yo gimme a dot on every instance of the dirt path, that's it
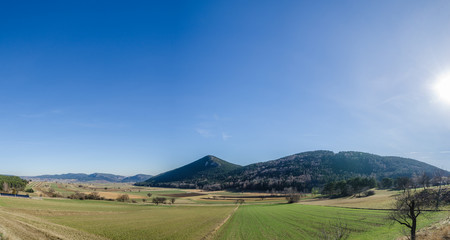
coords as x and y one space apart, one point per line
211 234
15 225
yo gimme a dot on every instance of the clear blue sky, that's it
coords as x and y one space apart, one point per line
144 87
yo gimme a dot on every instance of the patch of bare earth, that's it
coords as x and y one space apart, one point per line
438 231
14 225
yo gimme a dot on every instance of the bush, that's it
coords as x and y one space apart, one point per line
94 196
123 198
292 196
77 195
369 193
29 190
158 200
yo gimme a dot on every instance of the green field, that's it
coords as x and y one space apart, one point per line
114 220
53 218
296 221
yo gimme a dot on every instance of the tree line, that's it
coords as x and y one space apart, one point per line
12 184
360 185
357 185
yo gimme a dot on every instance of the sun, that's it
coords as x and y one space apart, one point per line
442 87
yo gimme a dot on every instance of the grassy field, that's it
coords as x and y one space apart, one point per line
111 220
296 221
195 215
381 200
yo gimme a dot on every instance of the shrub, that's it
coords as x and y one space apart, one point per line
77 195
369 193
123 198
94 196
158 200
292 196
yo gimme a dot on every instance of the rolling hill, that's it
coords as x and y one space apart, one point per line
136 178
94 177
194 174
302 171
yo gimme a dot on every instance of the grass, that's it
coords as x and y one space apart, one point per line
114 220
192 217
296 221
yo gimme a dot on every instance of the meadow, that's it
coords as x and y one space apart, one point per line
195 215
298 221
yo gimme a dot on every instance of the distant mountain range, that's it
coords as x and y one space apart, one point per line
94 177
302 171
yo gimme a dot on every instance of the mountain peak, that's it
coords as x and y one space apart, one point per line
202 168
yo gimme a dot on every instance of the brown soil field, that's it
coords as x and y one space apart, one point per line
188 194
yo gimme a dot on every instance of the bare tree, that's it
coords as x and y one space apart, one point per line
424 180
291 195
403 183
158 200
409 205
335 230
123 198
5 187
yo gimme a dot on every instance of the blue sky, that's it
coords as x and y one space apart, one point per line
144 87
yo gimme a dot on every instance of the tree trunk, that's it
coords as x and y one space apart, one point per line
414 219
413 229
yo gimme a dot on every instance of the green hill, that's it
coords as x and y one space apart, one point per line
311 169
302 171
205 171
9 182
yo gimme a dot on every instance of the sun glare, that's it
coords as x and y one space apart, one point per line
442 88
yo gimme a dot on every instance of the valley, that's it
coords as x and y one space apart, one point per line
195 214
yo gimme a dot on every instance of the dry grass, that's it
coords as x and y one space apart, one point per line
115 195
381 200
16 225
84 219
439 231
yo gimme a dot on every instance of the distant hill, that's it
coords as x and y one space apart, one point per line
194 174
136 178
302 171
94 177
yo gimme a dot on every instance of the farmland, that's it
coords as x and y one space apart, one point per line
296 221
195 215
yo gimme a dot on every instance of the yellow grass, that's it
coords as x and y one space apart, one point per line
381 200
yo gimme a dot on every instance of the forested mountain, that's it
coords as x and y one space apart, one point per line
302 171
94 177
198 173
